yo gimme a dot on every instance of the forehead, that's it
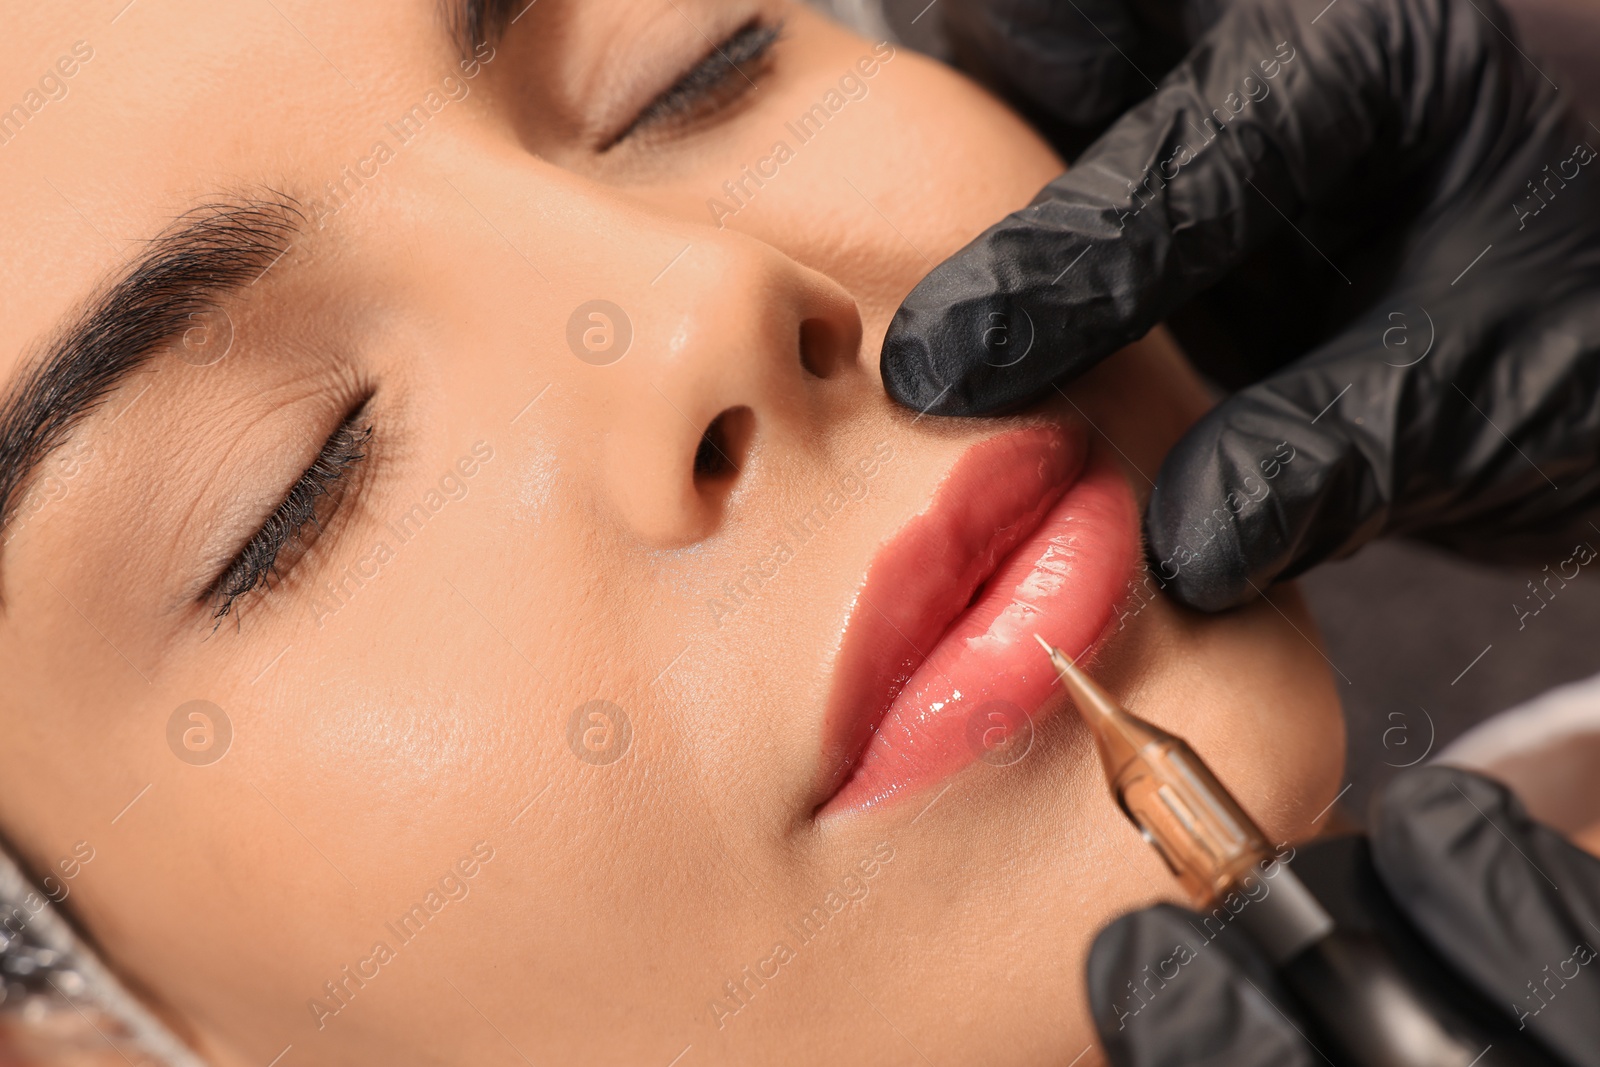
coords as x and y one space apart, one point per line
123 117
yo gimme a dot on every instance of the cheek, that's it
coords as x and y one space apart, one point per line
1293 722
1250 691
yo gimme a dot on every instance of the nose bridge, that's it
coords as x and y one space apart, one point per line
729 310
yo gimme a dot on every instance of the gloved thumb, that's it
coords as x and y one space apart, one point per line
1509 902
1163 992
1277 478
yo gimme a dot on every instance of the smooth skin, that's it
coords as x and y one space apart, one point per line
378 737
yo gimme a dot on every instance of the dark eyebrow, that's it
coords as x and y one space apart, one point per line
207 252
474 23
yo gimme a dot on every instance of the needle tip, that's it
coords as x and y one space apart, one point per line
1088 695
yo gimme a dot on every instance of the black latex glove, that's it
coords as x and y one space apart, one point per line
1072 68
1461 858
1443 379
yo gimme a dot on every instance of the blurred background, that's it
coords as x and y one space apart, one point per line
1403 623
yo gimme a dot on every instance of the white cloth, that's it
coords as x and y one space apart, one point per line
1547 750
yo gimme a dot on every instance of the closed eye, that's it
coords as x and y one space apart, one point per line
723 75
307 506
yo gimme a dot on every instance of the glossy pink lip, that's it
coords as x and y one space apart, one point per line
1032 531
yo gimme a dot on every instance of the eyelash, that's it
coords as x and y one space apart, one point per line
256 563
715 82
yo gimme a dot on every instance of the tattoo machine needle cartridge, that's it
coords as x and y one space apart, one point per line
1347 982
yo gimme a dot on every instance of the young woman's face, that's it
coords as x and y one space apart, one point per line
615 705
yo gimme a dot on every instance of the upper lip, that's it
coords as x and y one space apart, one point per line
993 497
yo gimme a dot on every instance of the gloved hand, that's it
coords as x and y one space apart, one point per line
1072 68
1505 901
1441 376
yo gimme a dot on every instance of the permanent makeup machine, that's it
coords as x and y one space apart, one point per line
1374 992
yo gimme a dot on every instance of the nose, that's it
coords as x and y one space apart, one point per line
736 352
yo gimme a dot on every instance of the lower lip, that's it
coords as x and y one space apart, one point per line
980 690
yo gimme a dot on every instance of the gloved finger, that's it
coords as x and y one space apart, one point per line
1509 902
1272 481
1263 119
1164 992
1471 443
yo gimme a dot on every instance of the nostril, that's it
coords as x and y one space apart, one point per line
710 459
720 453
822 347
